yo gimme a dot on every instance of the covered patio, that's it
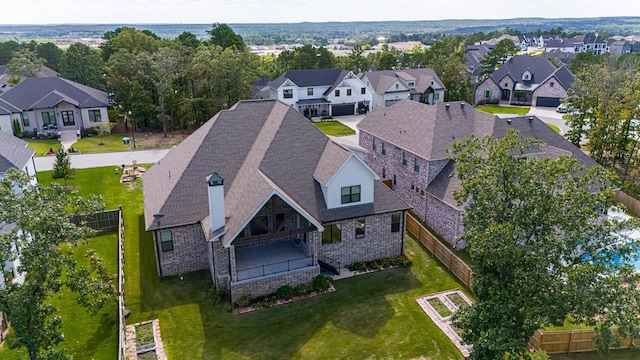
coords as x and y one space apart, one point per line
313 107
258 261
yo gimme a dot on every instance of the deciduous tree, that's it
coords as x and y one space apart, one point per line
43 239
527 224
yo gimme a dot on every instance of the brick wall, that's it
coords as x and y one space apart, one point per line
444 219
546 90
377 243
269 284
220 264
487 85
189 251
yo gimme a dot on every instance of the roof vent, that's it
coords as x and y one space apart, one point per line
509 121
462 105
447 106
530 119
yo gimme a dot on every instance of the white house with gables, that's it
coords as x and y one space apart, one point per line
321 92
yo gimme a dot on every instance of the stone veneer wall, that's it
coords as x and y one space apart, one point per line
444 219
377 243
488 84
545 90
189 251
269 284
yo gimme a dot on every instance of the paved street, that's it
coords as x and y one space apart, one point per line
83 161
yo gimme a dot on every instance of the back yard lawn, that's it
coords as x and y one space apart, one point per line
369 315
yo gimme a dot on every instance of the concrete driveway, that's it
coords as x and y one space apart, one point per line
548 115
350 120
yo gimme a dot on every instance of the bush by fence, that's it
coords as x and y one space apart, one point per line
458 267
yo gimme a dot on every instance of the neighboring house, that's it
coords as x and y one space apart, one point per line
590 42
515 39
623 46
525 80
563 57
261 198
531 40
14 154
474 55
321 92
52 104
408 142
421 85
561 44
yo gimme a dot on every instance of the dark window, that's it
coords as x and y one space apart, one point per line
384 150
331 234
166 240
348 92
395 222
413 187
411 84
48 118
395 180
67 118
95 116
350 194
552 84
309 91
404 158
363 91
416 164
25 119
374 143
287 94
384 173
397 86
279 220
360 225
259 225
336 93
487 94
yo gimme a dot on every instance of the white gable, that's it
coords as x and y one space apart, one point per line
354 172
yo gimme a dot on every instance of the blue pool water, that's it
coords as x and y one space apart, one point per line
609 257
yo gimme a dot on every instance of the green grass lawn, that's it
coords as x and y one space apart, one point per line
369 315
42 146
497 109
110 143
555 128
87 336
334 128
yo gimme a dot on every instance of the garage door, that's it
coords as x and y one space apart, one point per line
548 101
346 109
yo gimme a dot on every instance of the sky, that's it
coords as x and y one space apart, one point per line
295 11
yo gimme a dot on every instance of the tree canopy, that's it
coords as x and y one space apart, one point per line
224 36
530 226
43 240
496 57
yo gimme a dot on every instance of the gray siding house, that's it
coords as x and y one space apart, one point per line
407 143
261 198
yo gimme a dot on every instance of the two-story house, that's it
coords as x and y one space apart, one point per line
525 80
321 92
408 142
421 85
268 210
14 154
52 104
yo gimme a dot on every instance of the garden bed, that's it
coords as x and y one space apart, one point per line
144 341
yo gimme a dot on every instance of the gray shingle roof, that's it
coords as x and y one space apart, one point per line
427 130
309 78
13 152
260 148
443 186
540 69
32 92
380 81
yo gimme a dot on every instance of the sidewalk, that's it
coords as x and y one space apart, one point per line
84 161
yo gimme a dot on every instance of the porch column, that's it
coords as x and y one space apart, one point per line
232 264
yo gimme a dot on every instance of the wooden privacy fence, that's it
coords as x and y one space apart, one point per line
106 220
458 267
564 342
122 326
631 203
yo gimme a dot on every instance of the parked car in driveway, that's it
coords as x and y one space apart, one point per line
562 108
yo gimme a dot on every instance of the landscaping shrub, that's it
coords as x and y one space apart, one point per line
379 264
244 301
320 283
302 289
284 292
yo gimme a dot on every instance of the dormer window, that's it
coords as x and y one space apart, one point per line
350 194
526 76
397 86
411 84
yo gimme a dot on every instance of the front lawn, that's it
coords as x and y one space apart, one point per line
369 315
334 128
42 146
113 142
555 128
497 109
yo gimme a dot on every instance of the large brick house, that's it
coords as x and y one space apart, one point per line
261 198
407 143
525 80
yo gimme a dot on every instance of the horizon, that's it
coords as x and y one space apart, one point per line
107 12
